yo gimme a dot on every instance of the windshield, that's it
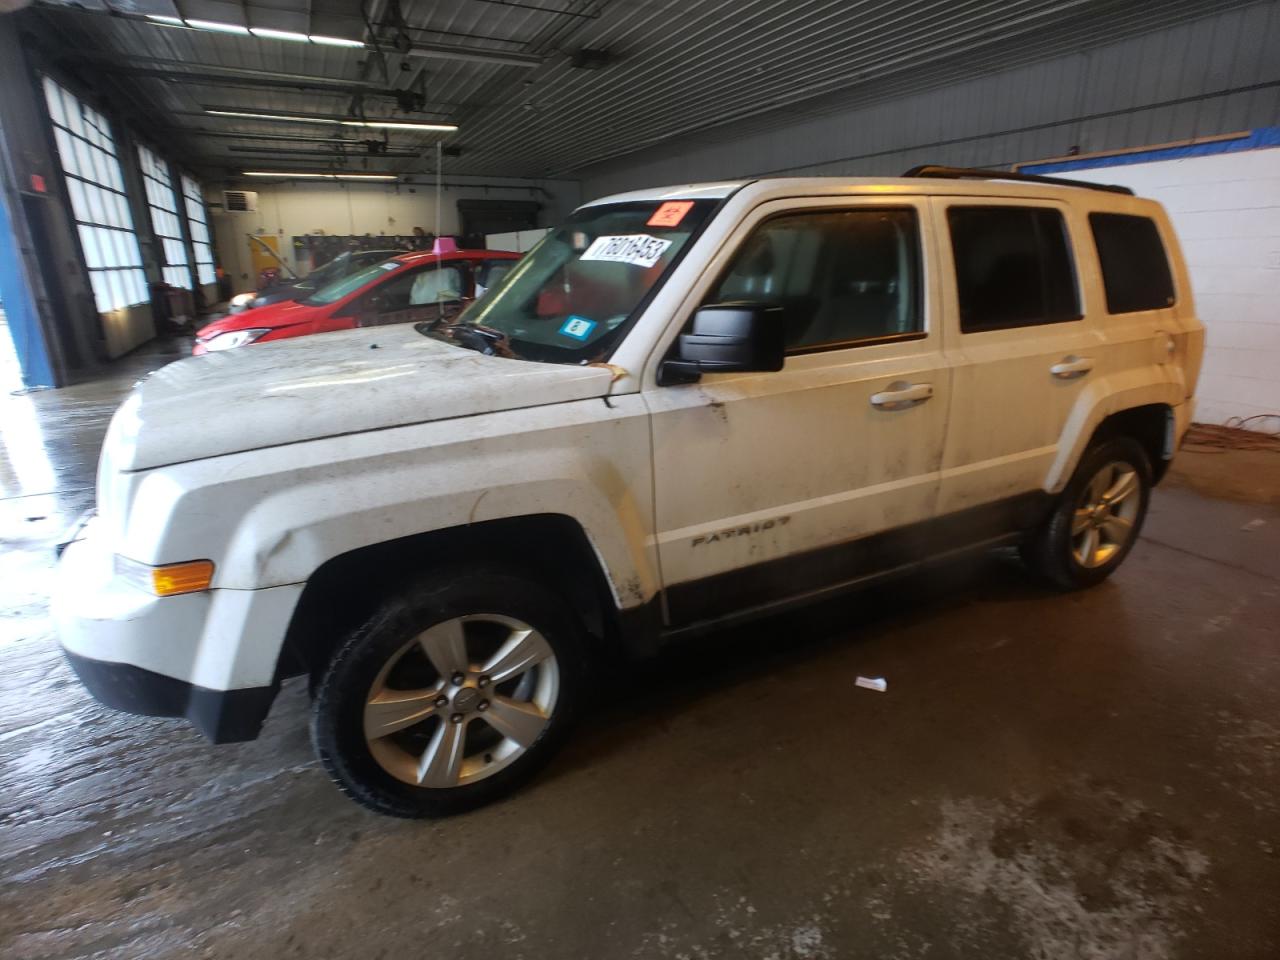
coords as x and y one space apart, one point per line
335 291
339 266
571 297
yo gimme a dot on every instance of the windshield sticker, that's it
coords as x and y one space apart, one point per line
390 264
670 213
578 327
639 249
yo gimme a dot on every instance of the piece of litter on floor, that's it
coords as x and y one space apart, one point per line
872 683
1254 524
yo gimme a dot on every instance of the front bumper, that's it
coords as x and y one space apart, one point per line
224 716
210 656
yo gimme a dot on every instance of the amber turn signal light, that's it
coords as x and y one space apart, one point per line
175 578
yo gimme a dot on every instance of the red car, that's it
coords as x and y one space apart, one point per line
409 288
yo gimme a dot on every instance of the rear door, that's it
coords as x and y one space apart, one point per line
1020 344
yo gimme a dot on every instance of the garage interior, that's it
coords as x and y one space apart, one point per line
1046 775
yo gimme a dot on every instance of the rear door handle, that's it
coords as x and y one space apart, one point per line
900 394
1068 368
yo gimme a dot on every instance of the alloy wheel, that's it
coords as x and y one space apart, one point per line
1105 518
461 701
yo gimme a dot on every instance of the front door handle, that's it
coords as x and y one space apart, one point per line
901 394
1068 368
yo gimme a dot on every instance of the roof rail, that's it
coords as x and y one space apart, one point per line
970 173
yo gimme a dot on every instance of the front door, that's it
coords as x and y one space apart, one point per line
428 293
770 486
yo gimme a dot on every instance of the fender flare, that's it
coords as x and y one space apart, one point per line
1104 398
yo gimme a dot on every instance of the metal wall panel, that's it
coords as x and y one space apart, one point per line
1218 74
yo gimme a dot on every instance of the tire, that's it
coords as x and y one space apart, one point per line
399 736
1059 551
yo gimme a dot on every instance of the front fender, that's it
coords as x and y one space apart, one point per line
273 517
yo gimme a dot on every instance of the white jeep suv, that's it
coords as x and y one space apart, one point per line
683 408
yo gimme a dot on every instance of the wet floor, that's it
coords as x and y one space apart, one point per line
1090 775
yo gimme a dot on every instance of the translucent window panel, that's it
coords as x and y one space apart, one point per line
96 211
101 295
72 109
95 185
79 204
53 97
89 244
162 203
197 223
83 159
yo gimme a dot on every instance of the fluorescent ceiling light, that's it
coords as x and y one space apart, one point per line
366 124
336 41
265 34
218 26
445 51
287 174
433 50
268 116
397 125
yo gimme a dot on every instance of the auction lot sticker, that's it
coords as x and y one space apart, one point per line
637 249
670 213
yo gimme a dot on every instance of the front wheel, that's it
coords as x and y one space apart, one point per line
1097 518
451 696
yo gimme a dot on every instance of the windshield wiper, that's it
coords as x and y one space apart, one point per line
472 336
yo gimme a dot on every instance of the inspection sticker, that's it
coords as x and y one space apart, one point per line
670 213
638 249
578 327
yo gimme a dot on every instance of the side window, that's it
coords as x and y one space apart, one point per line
441 284
489 272
1013 267
415 289
1135 269
840 276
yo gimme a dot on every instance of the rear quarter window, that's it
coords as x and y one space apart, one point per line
1135 267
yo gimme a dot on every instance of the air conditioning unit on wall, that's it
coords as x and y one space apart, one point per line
239 201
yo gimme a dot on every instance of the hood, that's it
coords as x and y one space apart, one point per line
282 314
322 386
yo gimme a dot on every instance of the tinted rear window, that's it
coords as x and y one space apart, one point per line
1013 267
1135 269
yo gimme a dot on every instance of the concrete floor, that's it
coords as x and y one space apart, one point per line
1085 776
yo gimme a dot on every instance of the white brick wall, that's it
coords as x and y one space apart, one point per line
1226 209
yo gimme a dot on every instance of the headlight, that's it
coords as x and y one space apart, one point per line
168 580
234 338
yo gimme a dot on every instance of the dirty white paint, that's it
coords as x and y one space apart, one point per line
271 460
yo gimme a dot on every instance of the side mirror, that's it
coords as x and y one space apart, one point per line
728 338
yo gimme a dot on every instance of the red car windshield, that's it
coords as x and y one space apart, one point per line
333 292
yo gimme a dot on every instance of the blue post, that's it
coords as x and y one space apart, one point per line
20 309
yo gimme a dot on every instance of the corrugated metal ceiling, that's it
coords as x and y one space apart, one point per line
676 69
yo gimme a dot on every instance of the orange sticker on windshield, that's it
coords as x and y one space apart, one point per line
670 213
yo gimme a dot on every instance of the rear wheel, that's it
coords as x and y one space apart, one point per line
1097 518
451 696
